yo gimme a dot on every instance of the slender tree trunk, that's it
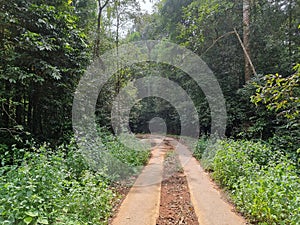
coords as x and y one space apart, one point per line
29 112
246 37
36 112
24 122
290 32
97 40
118 81
98 31
117 46
6 106
19 111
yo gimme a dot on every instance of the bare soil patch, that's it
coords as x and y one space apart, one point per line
175 204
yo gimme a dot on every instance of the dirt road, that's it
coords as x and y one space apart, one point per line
174 189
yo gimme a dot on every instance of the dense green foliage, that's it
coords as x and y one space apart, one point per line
130 159
280 95
51 53
43 53
262 182
207 28
53 188
47 186
45 48
262 179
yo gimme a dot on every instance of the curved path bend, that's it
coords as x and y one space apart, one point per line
141 205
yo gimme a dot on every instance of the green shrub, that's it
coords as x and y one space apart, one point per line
262 182
45 190
4 158
270 196
124 159
132 156
41 185
205 152
200 148
230 163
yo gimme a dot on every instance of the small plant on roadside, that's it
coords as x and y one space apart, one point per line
205 152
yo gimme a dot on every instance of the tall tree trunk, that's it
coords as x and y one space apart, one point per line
98 31
246 37
118 77
36 112
19 110
290 32
29 112
6 106
118 84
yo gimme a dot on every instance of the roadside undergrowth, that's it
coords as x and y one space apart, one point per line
263 184
58 186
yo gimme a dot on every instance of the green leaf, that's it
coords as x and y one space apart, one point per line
43 221
27 220
12 80
32 214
